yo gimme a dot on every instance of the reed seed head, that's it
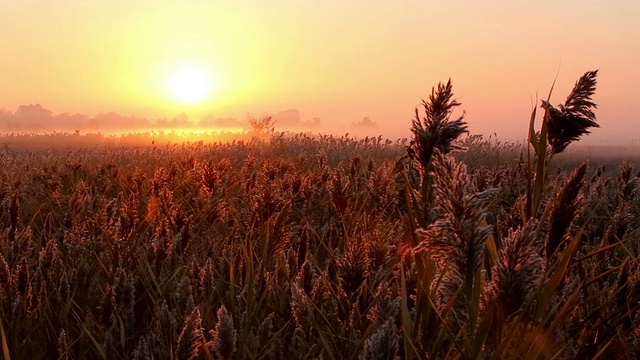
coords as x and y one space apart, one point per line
573 119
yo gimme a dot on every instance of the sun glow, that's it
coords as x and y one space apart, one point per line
191 83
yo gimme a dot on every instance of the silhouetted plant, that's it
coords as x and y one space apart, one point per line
436 130
575 117
560 127
261 127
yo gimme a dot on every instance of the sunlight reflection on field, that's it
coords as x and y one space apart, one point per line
127 137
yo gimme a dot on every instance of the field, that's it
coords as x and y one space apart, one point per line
298 246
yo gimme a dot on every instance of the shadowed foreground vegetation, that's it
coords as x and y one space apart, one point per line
323 247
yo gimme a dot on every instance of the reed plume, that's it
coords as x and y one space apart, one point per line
224 335
63 346
573 119
566 205
457 239
518 270
435 130
142 351
382 344
190 339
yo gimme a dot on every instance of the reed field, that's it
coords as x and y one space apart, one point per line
298 246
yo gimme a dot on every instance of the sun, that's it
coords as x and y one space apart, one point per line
191 83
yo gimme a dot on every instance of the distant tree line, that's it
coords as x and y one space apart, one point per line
36 118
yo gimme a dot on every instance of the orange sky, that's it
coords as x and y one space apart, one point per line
336 60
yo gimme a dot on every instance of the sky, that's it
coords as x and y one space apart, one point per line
353 66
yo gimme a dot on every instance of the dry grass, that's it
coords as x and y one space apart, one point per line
316 247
